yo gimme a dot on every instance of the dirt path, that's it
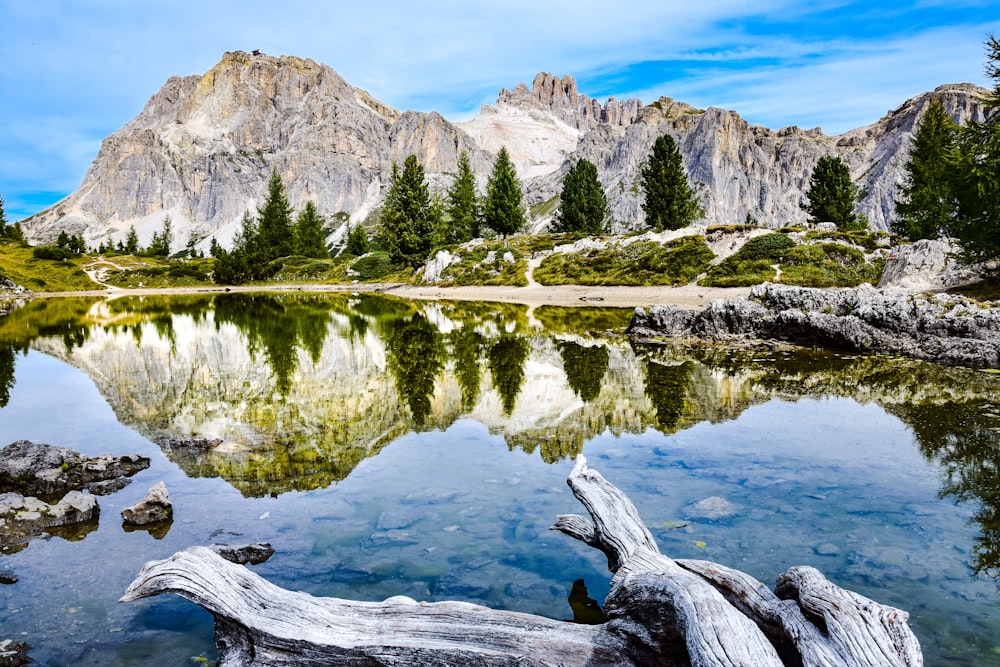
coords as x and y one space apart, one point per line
686 296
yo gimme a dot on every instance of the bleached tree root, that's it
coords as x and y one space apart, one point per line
660 611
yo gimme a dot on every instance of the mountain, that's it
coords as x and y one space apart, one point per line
203 147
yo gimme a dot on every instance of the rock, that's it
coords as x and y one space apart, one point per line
942 328
14 654
245 553
713 507
24 517
48 471
925 265
154 508
196 445
7 577
436 266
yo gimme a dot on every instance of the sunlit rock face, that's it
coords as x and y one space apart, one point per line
203 148
282 393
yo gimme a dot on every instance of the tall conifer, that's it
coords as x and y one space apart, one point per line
503 211
670 201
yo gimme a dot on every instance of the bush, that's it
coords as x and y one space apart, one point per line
768 246
820 265
51 252
373 266
638 263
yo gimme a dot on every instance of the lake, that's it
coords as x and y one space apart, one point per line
387 447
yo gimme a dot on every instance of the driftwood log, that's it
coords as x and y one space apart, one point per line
659 611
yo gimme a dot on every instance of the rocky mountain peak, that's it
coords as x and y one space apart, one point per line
560 96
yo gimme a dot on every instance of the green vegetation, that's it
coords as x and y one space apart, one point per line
309 239
161 273
18 263
503 210
159 246
409 217
639 263
485 265
9 233
463 214
670 202
584 207
832 195
561 319
373 266
357 241
808 265
924 207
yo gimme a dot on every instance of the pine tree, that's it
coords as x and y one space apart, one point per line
503 211
160 245
357 241
63 240
4 230
976 175
309 238
926 205
463 205
832 195
274 220
584 206
131 241
409 218
670 201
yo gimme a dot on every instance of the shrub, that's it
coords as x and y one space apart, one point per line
638 263
51 252
373 266
768 246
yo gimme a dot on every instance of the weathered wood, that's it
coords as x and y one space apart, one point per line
659 611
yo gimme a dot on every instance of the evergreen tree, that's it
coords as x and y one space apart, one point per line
15 233
132 241
926 205
309 238
357 241
463 205
503 211
583 207
670 201
585 368
4 232
832 195
274 221
409 218
160 245
245 261
666 387
976 175
62 241
415 356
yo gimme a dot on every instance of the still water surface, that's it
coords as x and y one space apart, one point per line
392 448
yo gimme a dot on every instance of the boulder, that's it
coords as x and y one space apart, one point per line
926 265
941 328
154 508
14 654
24 517
244 553
47 471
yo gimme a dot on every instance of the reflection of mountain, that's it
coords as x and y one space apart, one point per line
300 389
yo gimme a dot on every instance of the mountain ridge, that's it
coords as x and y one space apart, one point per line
202 148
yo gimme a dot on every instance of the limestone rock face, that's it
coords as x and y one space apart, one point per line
202 149
926 265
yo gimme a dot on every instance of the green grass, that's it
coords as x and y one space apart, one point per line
640 263
473 269
155 272
44 275
812 265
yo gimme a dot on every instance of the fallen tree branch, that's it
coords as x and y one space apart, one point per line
659 611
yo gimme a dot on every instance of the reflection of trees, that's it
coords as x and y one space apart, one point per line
467 348
585 368
964 438
415 355
7 362
276 327
507 357
666 386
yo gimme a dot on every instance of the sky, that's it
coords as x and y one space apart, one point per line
73 72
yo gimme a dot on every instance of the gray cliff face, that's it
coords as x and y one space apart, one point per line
203 148
941 328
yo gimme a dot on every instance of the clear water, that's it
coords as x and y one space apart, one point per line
382 449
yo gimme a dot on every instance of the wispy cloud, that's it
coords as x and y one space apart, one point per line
73 72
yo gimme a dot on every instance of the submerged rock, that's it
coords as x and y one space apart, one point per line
38 469
154 508
14 654
942 328
24 517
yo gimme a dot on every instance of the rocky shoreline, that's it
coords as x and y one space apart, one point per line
941 328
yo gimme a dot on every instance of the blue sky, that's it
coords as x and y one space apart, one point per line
73 72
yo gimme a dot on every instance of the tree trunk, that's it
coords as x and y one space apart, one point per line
659 611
